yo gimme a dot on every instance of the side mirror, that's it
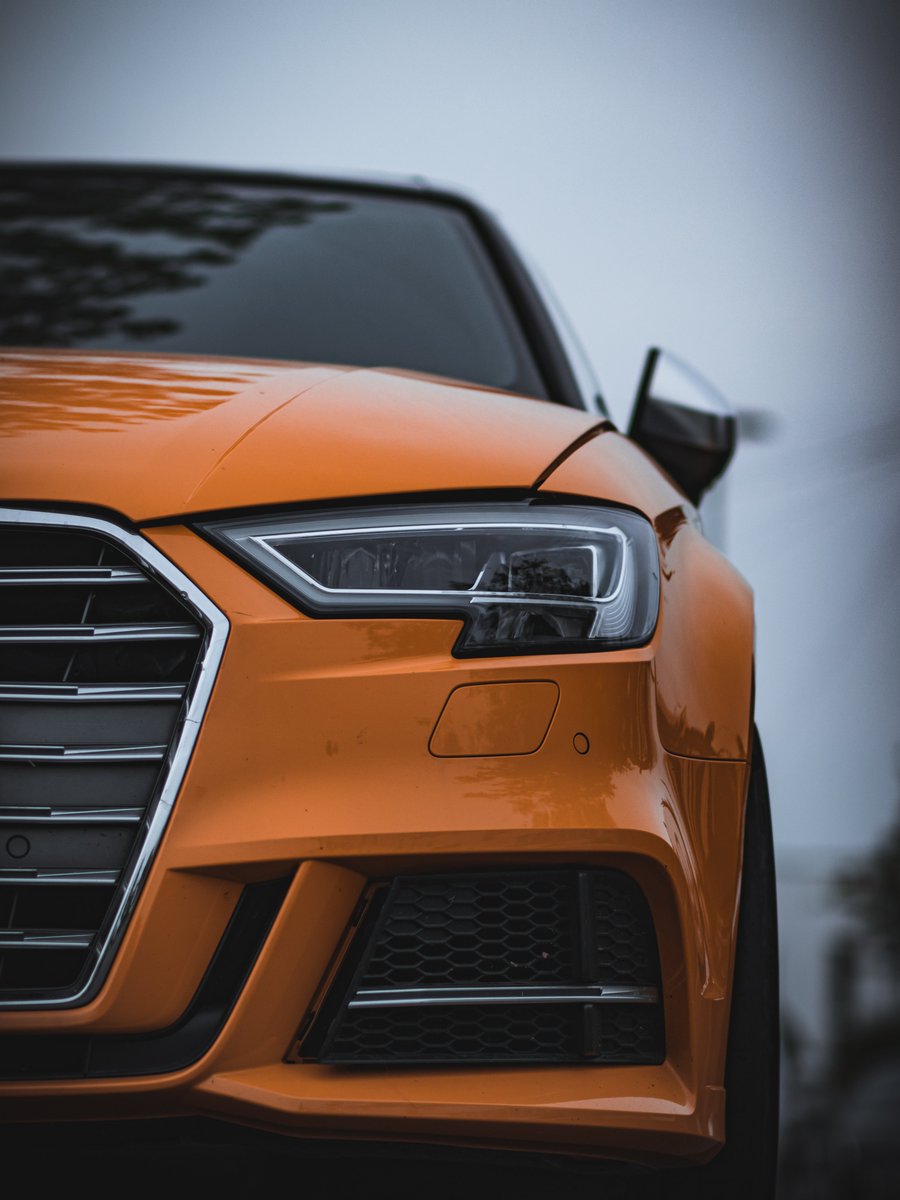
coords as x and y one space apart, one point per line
683 422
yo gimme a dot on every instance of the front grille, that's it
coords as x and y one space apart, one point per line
518 966
112 1055
99 659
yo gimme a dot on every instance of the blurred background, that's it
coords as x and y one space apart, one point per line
718 179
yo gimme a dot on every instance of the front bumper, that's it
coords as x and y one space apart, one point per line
314 763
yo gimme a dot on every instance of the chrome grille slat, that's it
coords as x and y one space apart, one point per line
57 576
81 754
19 878
46 939
20 815
159 631
91 693
107 659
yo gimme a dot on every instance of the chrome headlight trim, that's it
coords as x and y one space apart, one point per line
603 563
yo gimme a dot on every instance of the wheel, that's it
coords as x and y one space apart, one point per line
746 1164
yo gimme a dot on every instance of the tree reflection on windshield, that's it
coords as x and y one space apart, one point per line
78 253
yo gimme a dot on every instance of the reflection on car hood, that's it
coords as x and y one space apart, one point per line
158 435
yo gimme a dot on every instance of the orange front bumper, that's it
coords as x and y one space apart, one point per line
316 760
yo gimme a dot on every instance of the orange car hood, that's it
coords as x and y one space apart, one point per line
153 436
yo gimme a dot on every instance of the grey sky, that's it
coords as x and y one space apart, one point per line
721 179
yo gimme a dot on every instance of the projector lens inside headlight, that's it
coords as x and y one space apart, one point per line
524 577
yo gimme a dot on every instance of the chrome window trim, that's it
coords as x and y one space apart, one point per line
159 807
586 382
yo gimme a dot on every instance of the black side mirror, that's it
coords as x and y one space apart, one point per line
683 422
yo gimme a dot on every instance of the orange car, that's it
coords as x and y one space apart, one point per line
376 724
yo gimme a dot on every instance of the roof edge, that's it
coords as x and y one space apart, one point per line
380 181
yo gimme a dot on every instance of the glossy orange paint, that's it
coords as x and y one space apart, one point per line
704 661
487 719
152 436
317 757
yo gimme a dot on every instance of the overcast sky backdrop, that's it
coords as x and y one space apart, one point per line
719 179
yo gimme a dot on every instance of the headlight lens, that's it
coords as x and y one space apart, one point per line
525 578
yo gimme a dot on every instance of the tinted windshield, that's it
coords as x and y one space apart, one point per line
199 265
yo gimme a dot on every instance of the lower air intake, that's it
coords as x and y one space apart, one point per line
537 966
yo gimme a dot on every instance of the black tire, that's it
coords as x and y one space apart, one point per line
746 1165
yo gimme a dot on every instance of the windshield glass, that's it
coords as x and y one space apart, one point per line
199 265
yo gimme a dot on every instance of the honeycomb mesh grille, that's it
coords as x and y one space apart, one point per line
488 929
576 941
489 1031
624 940
631 1033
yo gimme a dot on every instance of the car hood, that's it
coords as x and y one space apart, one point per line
154 436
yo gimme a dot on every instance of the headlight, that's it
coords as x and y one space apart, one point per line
525 578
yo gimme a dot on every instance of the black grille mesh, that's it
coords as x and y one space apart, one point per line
631 1033
95 664
625 944
502 929
476 1032
476 929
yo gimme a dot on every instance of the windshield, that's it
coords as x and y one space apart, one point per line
199 265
